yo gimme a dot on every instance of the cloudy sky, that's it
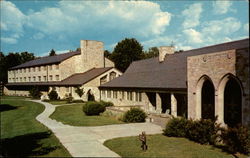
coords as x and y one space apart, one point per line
38 26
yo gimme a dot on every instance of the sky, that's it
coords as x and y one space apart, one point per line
39 26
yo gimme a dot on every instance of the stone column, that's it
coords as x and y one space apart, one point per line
158 103
173 105
219 106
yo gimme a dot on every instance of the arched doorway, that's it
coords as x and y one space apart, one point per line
232 103
90 96
207 100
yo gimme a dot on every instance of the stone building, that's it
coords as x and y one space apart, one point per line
87 68
199 83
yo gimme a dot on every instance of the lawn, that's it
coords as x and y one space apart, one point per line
73 115
61 102
162 146
22 135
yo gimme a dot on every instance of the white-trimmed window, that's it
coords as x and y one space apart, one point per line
57 77
67 89
29 79
39 68
103 93
129 95
24 79
34 78
39 78
114 94
108 94
44 78
50 77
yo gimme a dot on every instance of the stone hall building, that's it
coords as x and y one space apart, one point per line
87 69
199 83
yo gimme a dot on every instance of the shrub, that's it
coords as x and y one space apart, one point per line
53 95
134 115
35 93
93 108
203 131
236 139
106 104
69 99
176 127
79 91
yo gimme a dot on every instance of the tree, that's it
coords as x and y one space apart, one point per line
52 52
79 91
11 60
107 54
125 52
152 52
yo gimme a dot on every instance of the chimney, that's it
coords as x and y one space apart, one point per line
164 50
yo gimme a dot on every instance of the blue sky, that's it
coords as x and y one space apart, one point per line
38 26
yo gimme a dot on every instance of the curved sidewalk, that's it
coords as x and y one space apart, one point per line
88 141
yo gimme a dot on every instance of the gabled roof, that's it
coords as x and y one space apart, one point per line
169 74
82 78
47 60
73 80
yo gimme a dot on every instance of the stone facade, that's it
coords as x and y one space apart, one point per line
217 68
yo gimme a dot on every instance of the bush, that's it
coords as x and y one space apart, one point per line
106 104
134 115
35 93
236 139
79 91
93 108
203 131
53 95
69 98
176 127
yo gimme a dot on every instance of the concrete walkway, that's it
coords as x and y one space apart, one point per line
88 141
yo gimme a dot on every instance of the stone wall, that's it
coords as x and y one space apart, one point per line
216 67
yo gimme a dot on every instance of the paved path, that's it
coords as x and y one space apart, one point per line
88 141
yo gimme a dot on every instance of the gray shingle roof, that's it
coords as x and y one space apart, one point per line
169 74
73 80
47 60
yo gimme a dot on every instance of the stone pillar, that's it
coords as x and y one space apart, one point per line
158 103
173 105
219 106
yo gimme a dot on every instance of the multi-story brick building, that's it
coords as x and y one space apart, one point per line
87 68
199 83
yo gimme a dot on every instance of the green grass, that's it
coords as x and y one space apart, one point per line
162 146
22 135
12 97
73 115
57 102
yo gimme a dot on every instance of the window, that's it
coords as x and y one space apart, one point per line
16 79
21 79
34 79
20 70
10 79
50 67
112 75
29 69
50 77
114 94
138 96
44 68
57 77
39 68
39 78
24 79
34 69
24 70
44 78
104 93
13 79
109 94
29 79
103 79
57 66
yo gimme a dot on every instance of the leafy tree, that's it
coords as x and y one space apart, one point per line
11 60
125 52
52 52
79 91
35 92
152 52
107 54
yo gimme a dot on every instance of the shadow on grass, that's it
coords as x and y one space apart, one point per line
26 145
6 107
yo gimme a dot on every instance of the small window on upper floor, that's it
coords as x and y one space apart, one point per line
57 77
39 78
57 66
24 79
44 78
44 68
50 67
29 79
34 79
39 68
50 77
103 79
112 75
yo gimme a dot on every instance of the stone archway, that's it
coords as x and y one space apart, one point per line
230 98
205 102
90 96
232 103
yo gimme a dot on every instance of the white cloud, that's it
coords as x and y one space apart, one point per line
246 27
9 40
38 36
221 27
12 21
193 36
141 18
192 15
221 6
